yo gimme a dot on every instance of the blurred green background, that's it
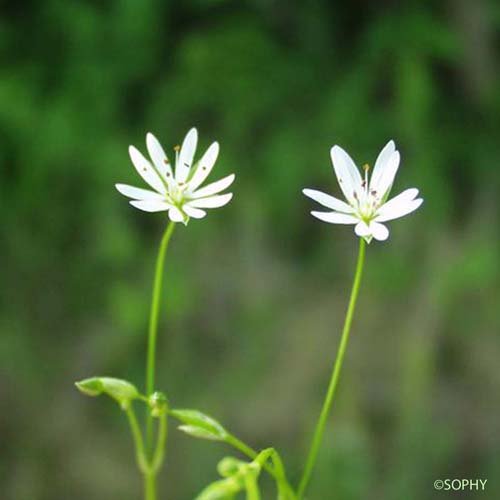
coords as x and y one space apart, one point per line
256 292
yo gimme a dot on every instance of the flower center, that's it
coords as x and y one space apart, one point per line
367 201
176 190
176 193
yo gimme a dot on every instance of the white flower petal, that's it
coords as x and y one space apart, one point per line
159 157
176 215
406 195
150 205
379 231
328 201
214 187
335 217
146 170
382 159
195 213
362 229
347 173
204 166
186 156
394 205
397 210
211 202
138 193
373 229
386 178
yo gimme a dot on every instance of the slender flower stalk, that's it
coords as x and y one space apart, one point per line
320 426
153 325
150 486
138 441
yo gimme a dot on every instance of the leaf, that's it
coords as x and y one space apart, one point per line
122 391
199 425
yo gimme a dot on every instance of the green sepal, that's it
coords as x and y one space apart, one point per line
121 391
197 424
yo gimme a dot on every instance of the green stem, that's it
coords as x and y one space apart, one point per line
160 444
251 453
320 426
252 488
153 326
138 441
150 486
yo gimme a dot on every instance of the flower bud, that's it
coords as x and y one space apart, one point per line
229 466
158 403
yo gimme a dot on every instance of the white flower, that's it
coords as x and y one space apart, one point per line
366 198
177 191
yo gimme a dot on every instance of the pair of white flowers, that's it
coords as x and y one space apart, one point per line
178 190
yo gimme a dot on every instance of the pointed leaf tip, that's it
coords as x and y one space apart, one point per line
90 386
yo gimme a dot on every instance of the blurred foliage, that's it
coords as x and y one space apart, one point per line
257 291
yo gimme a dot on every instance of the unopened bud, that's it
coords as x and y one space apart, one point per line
229 466
158 403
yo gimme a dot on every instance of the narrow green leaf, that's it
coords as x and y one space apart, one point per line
121 391
199 425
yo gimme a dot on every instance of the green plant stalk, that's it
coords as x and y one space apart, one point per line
153 326
150 468
252 488
150 485
320 426
160 444
251 453
140 454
